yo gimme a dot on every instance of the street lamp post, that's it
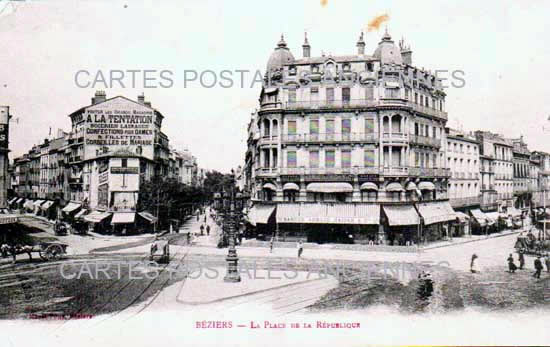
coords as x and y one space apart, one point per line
230 204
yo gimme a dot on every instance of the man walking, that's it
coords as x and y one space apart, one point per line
300 248
208 230
202 230
271 245
538 267
547 261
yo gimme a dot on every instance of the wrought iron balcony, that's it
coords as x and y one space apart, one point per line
424 141
330 138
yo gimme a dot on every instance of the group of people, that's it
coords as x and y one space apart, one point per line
537 264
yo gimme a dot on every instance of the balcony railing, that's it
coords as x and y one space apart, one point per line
330 137
425 141
466 201
395 137
430 172
354 103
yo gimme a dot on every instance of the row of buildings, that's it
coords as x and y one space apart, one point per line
366 153
114 145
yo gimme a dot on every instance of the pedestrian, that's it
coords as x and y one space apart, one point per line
271 245
202 230
521 259
300 248
538 267
189 238
208 230
473 264
205 218
511 266
197 216
547 261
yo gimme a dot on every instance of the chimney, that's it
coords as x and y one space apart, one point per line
306 47
361 45
406 53
100 96
147 103
141 98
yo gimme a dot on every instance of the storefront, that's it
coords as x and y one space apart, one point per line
436 217
402 225
98 221
462 225
329 222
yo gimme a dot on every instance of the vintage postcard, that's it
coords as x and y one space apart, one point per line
274 173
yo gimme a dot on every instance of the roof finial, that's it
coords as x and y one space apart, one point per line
282 43
386 35
306 43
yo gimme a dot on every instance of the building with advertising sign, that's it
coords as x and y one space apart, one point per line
350 147
94 171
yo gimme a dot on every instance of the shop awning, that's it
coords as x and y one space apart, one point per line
436 212
38 203
480 217
71 207
269 186
46 205
512 211
80 214
8 219
411 186
401 215
123 218
493 216
12 201
29 204
148 216
20 200
426 186
260 214
291 186
328 213
97 216
288 213
368 186
463 217
394 187
330 187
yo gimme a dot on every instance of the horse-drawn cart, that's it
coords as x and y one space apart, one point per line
46 250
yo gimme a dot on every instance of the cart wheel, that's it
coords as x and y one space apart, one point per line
53 252
42 255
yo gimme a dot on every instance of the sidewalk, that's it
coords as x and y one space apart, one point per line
470 238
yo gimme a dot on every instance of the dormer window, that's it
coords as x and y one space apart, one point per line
370 67
315 68
346 67
292 70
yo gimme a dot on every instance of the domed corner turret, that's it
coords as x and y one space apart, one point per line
280 56
387 52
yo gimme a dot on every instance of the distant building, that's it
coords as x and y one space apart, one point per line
463 159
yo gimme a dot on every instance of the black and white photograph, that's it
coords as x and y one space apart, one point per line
289 173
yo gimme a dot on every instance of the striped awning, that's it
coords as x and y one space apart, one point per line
260 214
46 205
148 216
394 187
123 218
426 186
38 203
436 212
80 214
12 200
328 213
71 207
368 186
401 215
411 186
329 187
20 200
269 186
480 217
291 186
97 216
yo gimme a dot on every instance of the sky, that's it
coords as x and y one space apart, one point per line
499 45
